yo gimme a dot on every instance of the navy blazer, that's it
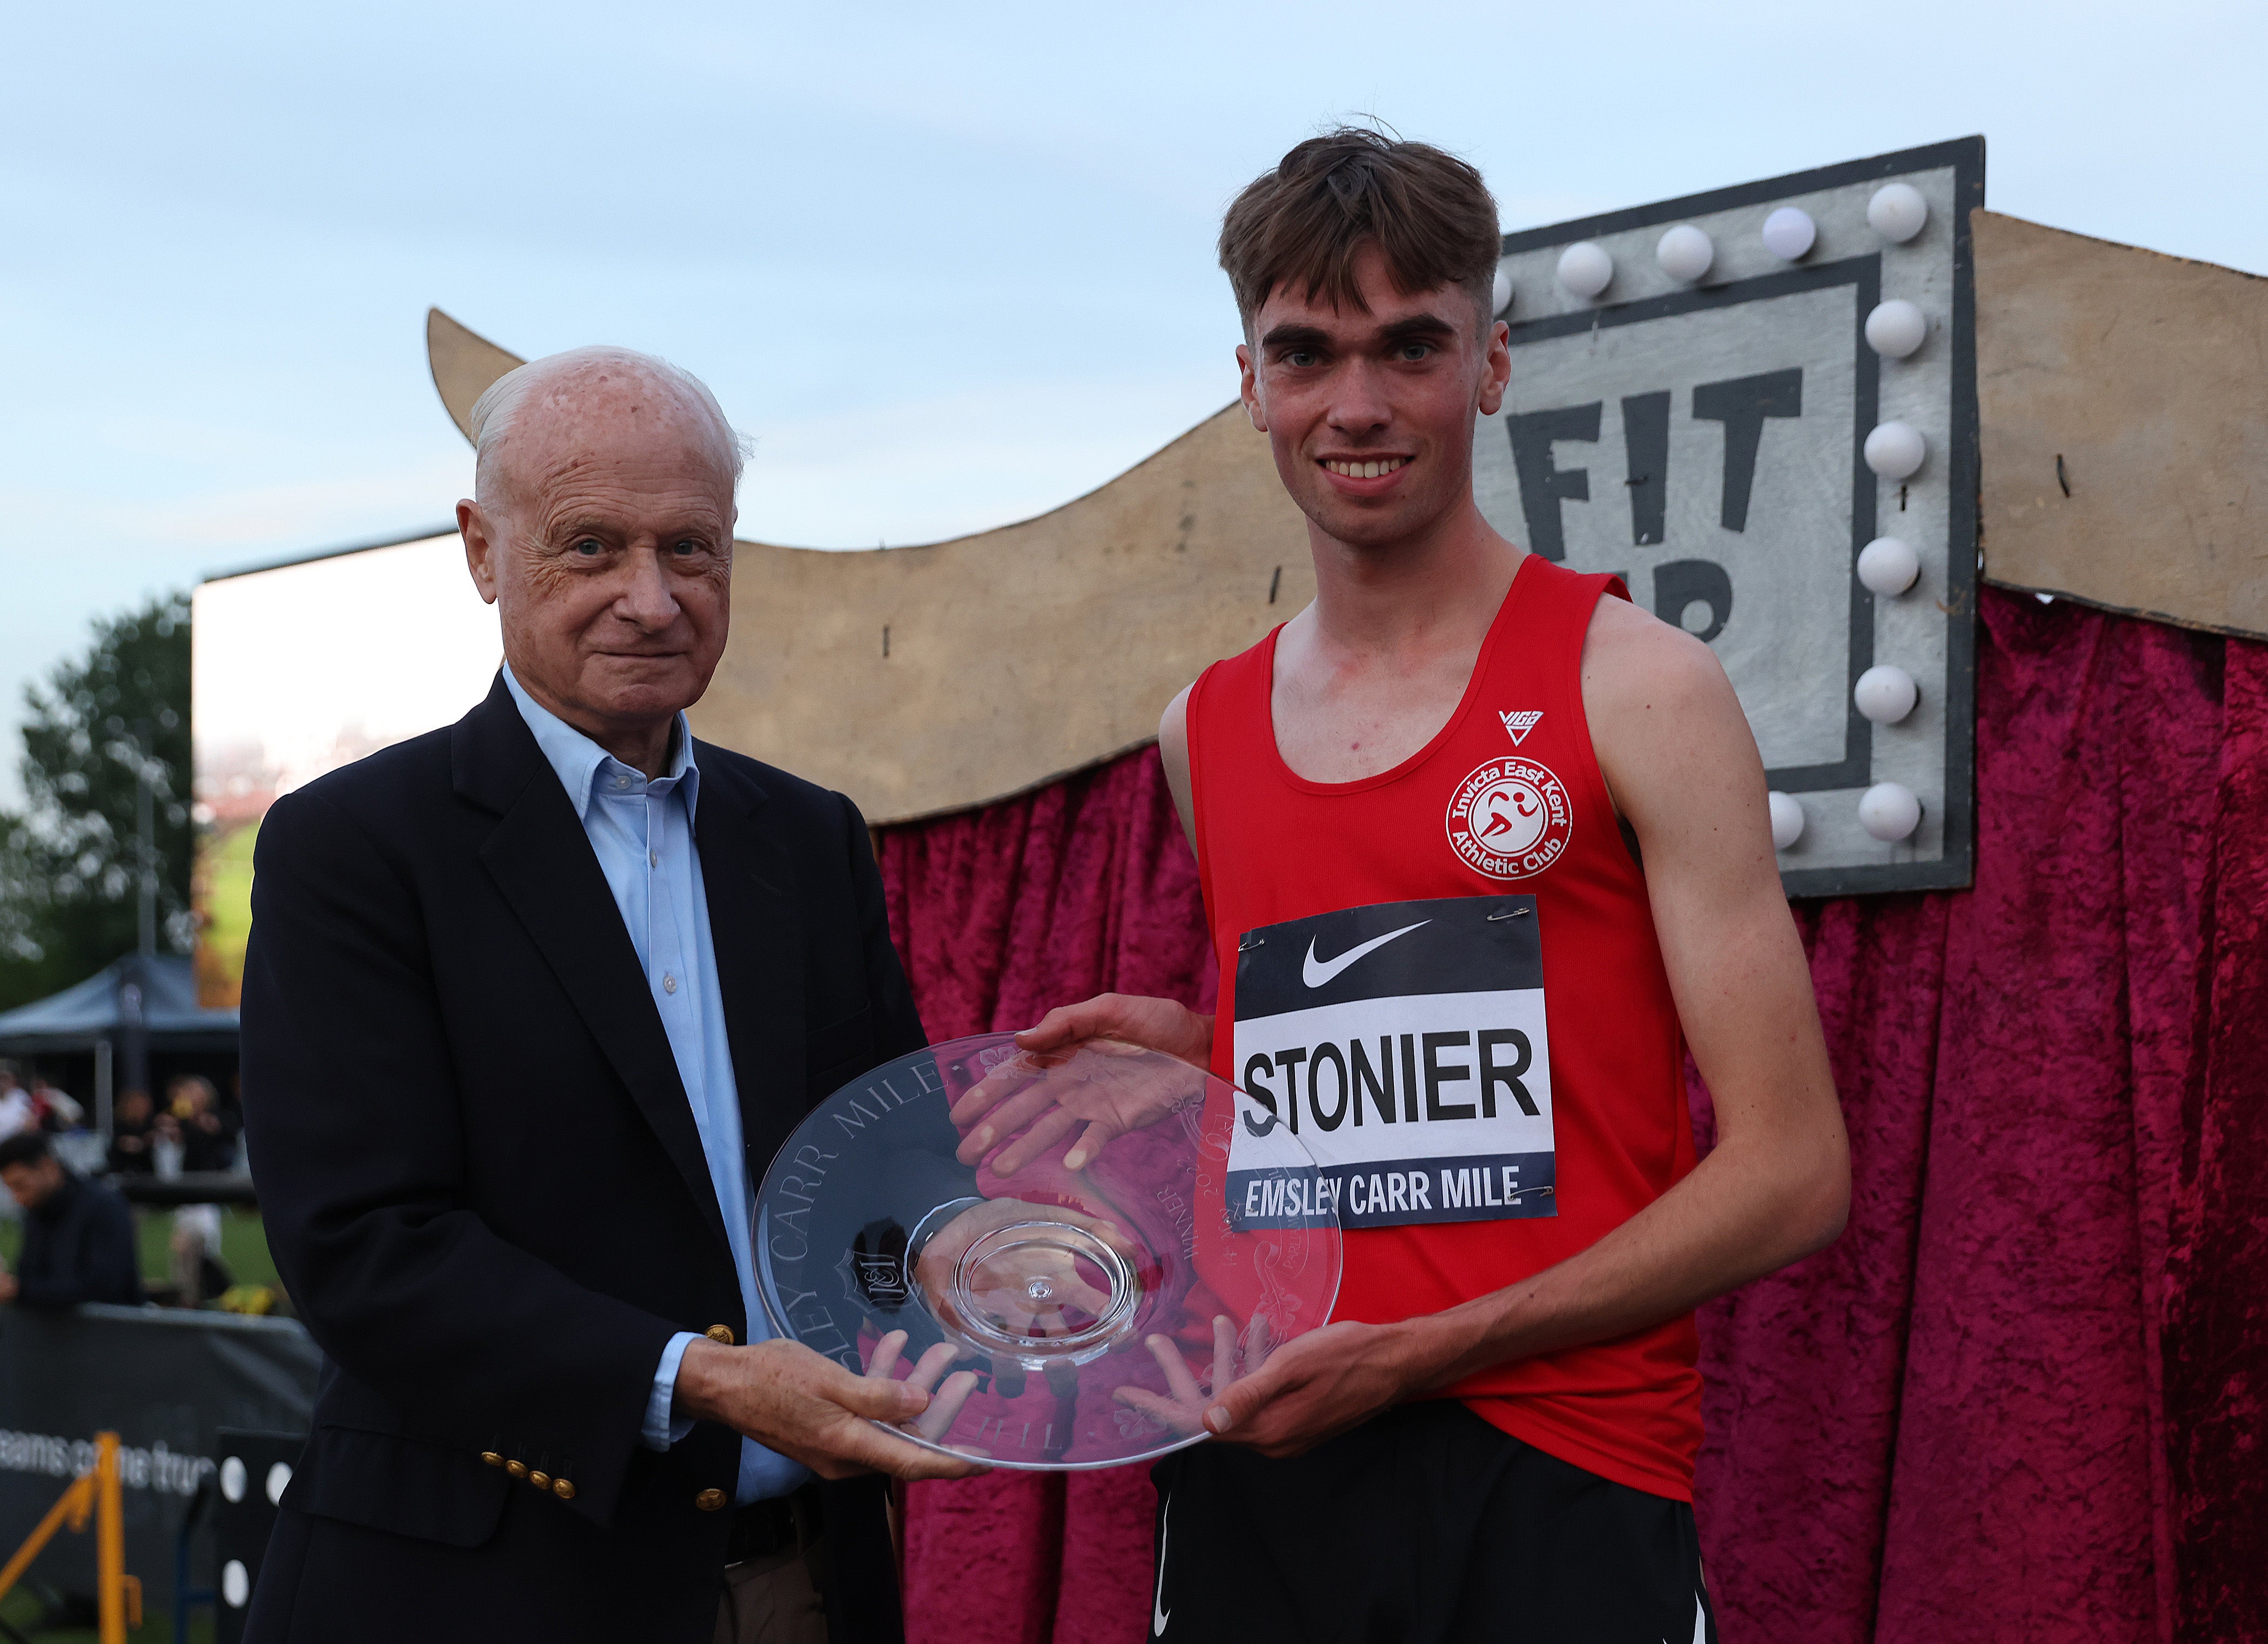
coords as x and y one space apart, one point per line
486 1195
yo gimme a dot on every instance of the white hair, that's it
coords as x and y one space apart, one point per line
493 413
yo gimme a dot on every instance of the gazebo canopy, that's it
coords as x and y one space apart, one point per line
98 1010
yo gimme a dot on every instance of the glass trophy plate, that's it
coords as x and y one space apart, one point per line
1080 1248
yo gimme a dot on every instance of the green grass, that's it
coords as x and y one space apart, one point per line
243 1245
225 899
20 1610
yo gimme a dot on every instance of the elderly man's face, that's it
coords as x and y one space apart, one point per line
609 553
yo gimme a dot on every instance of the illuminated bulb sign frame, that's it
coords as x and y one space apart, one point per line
1707 441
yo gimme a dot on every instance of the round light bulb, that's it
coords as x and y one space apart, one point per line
1789 233
1585 267
1890 811
1897 211
1886 693
1894 450
235 1584
233 1479
1895 328
279 1480
1685 253
1888 566
1501 294
1787 821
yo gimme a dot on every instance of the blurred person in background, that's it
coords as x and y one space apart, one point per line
78 1236
208 1148
16 1110
194 1257
131 1135
166 1148
207 1134
56 1111
16 1117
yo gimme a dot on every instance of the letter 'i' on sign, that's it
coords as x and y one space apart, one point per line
1646 443
1706 437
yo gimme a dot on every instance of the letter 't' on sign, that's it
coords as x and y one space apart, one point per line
1741 405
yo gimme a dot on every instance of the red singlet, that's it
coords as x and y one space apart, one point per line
1445 978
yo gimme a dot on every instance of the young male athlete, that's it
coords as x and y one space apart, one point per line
1484 849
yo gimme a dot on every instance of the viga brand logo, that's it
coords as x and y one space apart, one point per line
1510 819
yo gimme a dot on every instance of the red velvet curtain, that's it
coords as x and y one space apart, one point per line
2024 1396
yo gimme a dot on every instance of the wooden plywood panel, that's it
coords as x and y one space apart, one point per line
1017 655
463 362
2145 377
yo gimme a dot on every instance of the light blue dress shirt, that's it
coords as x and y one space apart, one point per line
642 833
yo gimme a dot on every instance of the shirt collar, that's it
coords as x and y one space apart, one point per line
581 763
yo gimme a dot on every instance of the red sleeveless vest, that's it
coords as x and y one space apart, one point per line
1444 979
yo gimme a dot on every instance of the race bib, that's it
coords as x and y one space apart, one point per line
1403 1045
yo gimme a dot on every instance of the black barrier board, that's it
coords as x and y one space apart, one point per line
166 1381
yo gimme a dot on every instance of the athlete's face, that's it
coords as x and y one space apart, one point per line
1371 415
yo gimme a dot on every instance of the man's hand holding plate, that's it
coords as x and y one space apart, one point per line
809 1408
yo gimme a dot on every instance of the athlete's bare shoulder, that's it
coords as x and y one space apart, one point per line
1629 657
1173 749
1664 721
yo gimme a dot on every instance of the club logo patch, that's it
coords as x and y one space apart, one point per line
1510 819
1517 725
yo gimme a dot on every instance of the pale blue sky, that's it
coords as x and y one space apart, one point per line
952 267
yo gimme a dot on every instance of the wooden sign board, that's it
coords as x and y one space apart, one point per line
1705 437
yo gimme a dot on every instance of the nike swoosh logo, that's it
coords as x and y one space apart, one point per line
1159 1613
1316 972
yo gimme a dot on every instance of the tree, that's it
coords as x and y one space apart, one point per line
71 861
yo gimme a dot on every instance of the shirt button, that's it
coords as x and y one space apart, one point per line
669 982
653 858
622 782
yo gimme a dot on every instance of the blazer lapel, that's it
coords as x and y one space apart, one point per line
542 862
757 930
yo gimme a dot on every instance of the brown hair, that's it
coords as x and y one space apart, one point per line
1427 210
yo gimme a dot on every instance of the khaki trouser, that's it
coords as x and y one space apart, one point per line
773 1600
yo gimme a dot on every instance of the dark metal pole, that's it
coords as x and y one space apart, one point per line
133 1022
145 829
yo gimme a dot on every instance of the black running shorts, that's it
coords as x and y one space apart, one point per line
1424 1525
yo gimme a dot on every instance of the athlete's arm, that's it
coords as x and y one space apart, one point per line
1684 770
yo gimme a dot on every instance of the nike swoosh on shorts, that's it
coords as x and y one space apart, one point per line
1159 1613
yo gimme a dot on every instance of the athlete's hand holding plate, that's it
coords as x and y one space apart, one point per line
929 1223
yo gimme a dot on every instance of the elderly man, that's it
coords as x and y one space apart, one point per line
529 1004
